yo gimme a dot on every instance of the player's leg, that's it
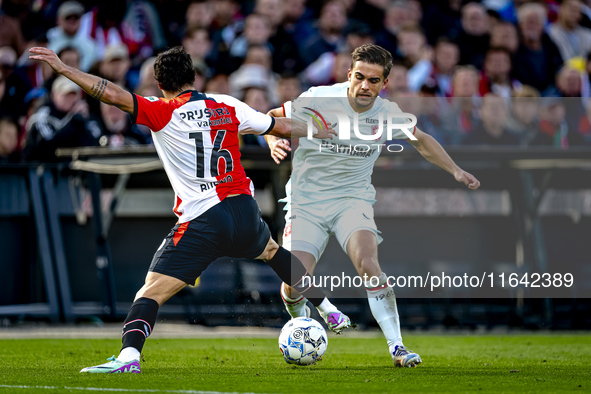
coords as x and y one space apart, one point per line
306 236
140 322
294 302
181 258
362 248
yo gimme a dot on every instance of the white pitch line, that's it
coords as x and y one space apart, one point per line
118 389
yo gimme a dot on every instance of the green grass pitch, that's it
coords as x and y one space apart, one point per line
453 364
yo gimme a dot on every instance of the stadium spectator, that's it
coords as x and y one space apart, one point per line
329 67
255 72
11 32
436 74
197 43
8 140
571 38
524 119
199 14
496 75
331 25
19 81
296 20
412 46
285 49
201 73
553 126
115 64
63 122
258 99
289 87
257 30
103 25
492 129
142 30
509 11
117 130
537 59
2 91
473 39
70 56
442 18
580 131
504 35
397 80
65 34
568 82
461 118
396 16
217 84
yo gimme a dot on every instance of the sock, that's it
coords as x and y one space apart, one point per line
139 324
288 266
382 303
296 307
326 308
129 354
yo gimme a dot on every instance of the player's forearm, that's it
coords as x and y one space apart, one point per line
289 128
431 150
100 89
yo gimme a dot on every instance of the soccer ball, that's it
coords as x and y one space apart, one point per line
302 341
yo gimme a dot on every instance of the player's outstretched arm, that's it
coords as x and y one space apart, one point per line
278 146
431 150
293 128
96 87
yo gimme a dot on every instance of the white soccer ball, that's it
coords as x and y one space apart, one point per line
302 341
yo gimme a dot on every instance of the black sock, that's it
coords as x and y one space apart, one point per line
291 270
139 323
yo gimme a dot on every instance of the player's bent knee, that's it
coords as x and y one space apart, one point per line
160 287
369 266
270 250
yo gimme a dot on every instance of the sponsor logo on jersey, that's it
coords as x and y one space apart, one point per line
152 99
205 113
211 185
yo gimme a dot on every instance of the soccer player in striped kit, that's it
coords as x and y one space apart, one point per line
196 137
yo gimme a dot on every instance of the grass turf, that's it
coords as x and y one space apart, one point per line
523 364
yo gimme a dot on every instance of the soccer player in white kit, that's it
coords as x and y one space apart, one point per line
196 137
330 189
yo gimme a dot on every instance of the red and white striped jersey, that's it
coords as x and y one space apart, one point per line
196 137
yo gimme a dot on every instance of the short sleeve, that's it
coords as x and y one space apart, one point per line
286 109
153 112
251 120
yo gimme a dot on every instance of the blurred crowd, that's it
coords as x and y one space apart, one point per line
493 72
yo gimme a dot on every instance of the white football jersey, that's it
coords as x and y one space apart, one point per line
324 169
196 137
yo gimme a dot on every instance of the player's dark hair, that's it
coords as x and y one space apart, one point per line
173 69
373 54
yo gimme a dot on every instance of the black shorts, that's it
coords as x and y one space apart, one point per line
232 228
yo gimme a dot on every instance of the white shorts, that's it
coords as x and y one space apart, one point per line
308 228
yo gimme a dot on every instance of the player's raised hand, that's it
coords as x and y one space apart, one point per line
279 149
48 56
467 179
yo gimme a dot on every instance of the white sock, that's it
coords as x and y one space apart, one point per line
129 354
326 308
296 307
382 302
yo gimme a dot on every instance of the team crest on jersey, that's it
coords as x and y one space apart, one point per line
374 131
152 98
